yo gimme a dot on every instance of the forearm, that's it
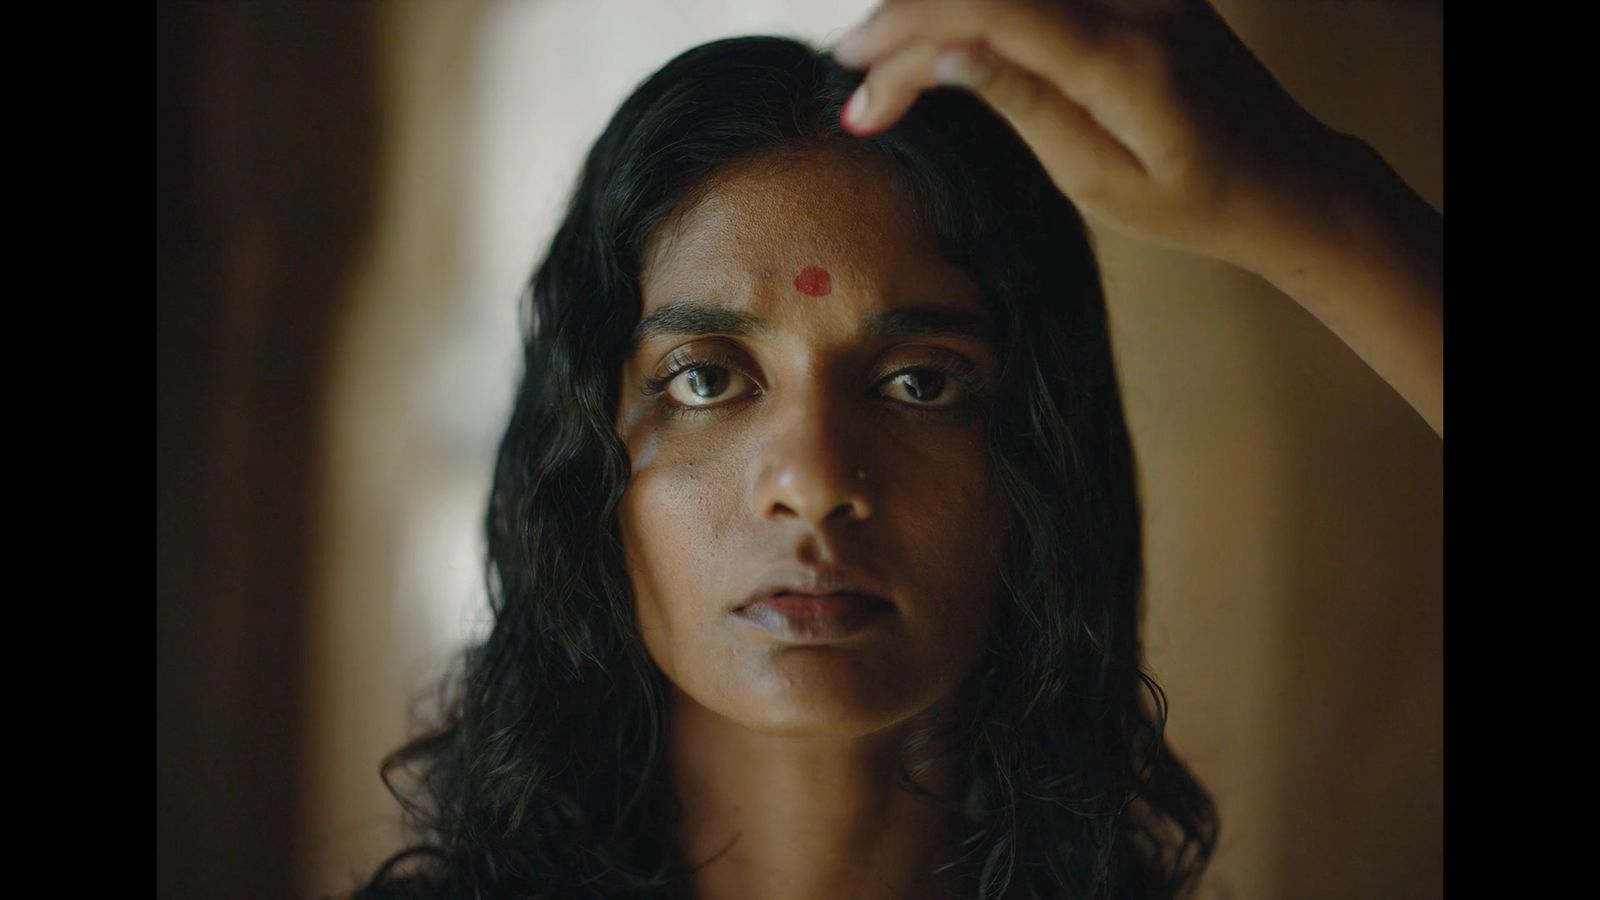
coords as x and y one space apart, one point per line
1368 262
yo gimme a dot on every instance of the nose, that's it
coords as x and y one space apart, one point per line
810 467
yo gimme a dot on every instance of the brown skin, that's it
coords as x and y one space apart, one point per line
791 748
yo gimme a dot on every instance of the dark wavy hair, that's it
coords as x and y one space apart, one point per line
545 776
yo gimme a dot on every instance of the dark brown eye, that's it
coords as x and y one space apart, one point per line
924 387
706 381
696 381
700 385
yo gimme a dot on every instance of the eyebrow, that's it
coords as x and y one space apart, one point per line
688 318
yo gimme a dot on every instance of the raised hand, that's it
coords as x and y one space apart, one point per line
1155 119
1152 116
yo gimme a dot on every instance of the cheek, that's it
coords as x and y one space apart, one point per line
942 494
670 524
953 527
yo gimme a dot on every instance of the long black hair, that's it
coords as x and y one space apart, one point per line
545 777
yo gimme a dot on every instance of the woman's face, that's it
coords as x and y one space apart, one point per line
825 329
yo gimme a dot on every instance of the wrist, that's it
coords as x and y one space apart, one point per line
1365 257
1354 219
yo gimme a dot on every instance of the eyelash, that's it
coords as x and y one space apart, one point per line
963 372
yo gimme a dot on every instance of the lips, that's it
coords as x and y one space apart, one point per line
816 582
812 618
808 605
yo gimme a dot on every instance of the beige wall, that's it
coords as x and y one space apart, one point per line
1293 502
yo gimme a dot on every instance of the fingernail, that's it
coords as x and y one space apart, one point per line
855 109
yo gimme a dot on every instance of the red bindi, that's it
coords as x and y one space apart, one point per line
813 281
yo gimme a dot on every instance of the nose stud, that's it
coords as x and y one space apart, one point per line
861 474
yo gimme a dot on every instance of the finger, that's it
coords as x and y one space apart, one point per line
897 23
1104 68
1078 152
1083 159
889 89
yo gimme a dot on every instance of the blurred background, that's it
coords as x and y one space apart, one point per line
349 198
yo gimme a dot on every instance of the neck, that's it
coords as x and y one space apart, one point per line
793 818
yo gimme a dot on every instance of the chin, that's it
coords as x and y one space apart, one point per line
825 692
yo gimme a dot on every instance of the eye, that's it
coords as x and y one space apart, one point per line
701 385
694 382
925 386
948 383
704 381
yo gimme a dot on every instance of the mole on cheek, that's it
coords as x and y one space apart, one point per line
813 281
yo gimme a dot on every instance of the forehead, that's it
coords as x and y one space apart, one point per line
757 227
